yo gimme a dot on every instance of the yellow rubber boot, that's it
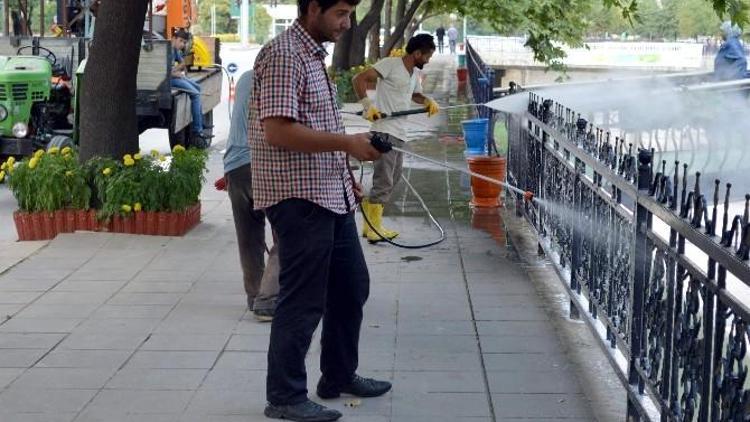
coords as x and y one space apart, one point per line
366 206
376 218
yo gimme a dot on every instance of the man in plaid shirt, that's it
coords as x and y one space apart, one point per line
300 177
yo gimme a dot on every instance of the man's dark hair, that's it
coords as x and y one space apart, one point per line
422 42
324 4
181 33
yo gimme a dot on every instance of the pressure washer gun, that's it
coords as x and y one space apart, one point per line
380 143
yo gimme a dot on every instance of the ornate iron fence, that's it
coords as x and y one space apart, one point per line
626 234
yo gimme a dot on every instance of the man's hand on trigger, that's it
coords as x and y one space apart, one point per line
431 106
360 148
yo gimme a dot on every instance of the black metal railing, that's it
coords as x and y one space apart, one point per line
658 270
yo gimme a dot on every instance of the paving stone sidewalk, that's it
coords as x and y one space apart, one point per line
106 327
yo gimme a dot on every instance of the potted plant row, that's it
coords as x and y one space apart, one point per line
140 194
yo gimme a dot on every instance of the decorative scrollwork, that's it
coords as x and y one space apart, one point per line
689 354
734 398
620 273
655 320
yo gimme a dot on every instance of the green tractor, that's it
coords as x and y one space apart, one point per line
36 102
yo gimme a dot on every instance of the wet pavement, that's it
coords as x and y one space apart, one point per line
105 327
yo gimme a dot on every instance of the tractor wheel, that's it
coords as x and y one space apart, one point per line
61 141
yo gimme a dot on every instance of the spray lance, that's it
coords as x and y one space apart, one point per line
383 146
413 111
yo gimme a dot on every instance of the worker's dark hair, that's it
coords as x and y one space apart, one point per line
181 33
422 42
324 4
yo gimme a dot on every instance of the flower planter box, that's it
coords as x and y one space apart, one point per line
47 225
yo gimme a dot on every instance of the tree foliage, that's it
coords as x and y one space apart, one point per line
263 22
224 22
550 23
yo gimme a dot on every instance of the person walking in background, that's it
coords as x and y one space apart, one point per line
452 38
730 62
301 179
261 281
440 34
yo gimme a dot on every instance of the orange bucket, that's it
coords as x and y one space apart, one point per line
483 193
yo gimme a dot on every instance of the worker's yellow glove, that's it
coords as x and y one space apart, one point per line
369 110
431 106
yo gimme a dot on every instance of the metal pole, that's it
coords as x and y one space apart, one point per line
464 32
213 20
41 18
6 16
244 15
151 19
65 23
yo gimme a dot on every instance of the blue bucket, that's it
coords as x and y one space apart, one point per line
475 136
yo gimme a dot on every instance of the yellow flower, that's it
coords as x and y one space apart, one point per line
126 208
11 161
53 150
137 156
178 148
4 166
137 206
33 162
127 157
129 162
69 173
39 153
107 171
154 153
162 158
66 150
2 175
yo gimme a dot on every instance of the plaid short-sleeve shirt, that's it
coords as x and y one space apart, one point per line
291 81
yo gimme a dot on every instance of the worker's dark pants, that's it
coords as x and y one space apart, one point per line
323 273
261 281
440 45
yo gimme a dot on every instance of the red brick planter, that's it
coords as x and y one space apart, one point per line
47 225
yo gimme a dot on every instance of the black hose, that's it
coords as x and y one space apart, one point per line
424 206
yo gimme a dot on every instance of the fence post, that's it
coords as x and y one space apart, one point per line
639 275
490 114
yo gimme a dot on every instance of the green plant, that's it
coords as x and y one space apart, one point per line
149 182
49 181
185 177
55 180
343 81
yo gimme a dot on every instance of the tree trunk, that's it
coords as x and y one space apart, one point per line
109 124
400 10
350 49
397 37
388 14
374 53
